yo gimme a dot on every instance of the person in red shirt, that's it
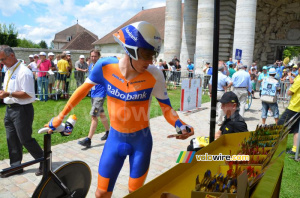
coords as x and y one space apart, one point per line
43 66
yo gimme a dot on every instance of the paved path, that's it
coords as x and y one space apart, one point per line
164 153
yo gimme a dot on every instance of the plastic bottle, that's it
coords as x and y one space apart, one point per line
65 129
70 123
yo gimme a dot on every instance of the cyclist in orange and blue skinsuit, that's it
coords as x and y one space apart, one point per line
130 84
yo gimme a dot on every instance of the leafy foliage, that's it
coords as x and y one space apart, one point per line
43 44
291 51
8 35
25 43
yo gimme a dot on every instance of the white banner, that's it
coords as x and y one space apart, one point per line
191 94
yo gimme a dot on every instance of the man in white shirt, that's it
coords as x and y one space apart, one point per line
18 95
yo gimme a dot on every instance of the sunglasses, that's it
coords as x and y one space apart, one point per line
146 54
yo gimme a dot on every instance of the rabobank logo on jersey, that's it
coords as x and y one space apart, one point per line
141 95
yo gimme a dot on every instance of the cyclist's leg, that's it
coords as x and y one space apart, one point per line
110 163
140 159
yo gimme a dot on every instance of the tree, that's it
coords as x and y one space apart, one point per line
8 36
291 51
43 44
27 43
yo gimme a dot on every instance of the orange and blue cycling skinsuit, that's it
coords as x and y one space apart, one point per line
128 105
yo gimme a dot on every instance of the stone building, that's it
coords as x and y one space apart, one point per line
261 29
75 37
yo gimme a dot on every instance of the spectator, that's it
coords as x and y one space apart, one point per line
18 96
62 66
160 66
190 68
294 72
88 60
238 63
81 69
68 76
285 76
207 70
174 60
98 95
51 73
177 72
165 70
228 63
292 75
223 83
234 122
33 67
231 70
31 59
43 66
292 109
242 87
261 77
270 89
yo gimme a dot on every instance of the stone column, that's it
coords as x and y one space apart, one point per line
189 28
204 40
172 39
244 29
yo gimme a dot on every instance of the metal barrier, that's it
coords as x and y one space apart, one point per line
55 85
282 96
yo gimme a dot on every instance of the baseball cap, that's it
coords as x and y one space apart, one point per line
50 54
42 54
68 53
265 68
229 97
295 66
30 56
81 56
272 71
36 55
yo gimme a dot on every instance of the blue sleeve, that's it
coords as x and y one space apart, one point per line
96 73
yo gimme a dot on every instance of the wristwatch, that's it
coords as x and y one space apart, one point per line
10 94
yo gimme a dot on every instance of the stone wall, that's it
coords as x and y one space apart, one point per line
277 25
23 53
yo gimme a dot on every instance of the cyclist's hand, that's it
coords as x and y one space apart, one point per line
53 124
184 133
249 93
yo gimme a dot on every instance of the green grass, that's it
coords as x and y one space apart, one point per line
44 111
291 175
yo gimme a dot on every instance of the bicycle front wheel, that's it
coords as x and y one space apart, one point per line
75 175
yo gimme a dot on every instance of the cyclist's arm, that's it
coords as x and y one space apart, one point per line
160 92
96 77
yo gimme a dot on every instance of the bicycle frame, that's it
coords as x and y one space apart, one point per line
47 169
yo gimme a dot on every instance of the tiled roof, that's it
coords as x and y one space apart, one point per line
155 16
82 41
71 31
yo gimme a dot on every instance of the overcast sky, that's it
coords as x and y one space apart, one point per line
40 19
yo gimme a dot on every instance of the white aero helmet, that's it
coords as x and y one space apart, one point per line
138 35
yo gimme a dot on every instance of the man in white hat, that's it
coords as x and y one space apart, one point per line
81 67
43 66
270 88
30 58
